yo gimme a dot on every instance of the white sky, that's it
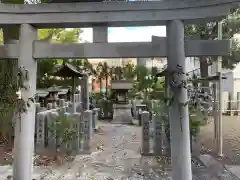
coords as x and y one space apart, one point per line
131 34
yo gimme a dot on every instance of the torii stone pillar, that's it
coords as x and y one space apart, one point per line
179 127
24 156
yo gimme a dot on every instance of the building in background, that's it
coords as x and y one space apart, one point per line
95 85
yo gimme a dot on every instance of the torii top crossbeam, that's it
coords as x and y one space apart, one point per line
113 13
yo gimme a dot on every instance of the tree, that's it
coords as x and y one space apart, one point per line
103 72
129 71
8 86
106 73
46 68
208 31
9 69
98 72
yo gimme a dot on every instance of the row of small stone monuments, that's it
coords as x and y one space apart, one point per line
83 122
154 140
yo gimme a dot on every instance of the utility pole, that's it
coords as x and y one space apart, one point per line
219 72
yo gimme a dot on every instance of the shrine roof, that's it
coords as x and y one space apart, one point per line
68 70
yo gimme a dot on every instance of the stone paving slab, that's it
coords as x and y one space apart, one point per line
234 169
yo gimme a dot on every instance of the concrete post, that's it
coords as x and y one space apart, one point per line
85 92
100 34
178 114
220 108
215 112
230 103
95 118
145 132
87 118
238 102
40 132
53 139
76 126
157 135
73 95
24 166
81 132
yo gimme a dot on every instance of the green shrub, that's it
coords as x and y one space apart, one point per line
62 129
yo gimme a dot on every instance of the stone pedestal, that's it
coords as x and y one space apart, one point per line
122 114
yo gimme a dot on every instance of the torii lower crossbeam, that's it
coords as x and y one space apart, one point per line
156 48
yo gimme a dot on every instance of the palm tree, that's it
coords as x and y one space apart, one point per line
106 73
99 74
129 71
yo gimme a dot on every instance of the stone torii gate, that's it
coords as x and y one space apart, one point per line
173 14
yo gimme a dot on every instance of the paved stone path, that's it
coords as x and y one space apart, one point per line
116 155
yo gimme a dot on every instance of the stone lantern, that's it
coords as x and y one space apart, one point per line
121 106
53 95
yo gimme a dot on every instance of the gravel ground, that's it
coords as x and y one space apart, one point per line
231 139
116 155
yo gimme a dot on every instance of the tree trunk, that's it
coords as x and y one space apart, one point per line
204 74
9 76
106 85
100 80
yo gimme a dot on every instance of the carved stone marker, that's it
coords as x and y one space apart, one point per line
145 132
87 118
81 133
75 124
157 135
51 135
40 132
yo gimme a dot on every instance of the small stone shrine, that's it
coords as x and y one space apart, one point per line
67 70
121 107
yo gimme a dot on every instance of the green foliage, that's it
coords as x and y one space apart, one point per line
46 68
129 71
196 119
160 109
62 128
231 26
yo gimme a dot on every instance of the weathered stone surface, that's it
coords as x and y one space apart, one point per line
122 114
87 118
118 158
40 131
145 132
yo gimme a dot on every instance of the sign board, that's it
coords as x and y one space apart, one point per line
228 82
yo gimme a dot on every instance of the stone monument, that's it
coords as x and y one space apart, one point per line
121 107
53 95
